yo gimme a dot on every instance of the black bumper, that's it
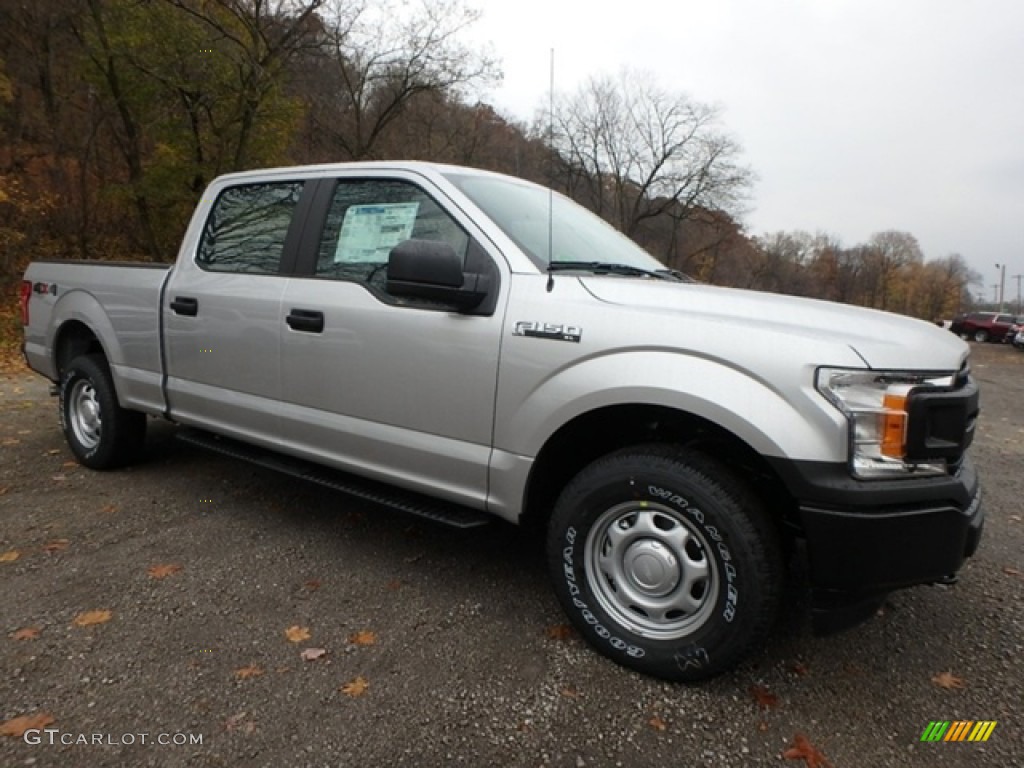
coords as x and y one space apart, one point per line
865 539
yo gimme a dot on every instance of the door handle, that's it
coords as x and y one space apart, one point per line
307 320
183 305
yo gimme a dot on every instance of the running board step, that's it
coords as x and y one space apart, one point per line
369 490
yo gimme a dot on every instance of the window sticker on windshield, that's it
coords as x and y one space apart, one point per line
369 232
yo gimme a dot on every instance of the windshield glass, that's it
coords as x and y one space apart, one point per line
521 210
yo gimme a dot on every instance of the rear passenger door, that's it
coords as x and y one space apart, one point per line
398 389
222 311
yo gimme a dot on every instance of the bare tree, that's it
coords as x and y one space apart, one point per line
633 151
386 54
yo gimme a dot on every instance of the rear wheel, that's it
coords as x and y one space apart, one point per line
100 433
981 335
665 562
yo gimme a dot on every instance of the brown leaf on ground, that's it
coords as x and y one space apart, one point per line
312 654
762 726
393 585
570 693
948 680
26 633
1016 518
57 545
297 634
163 571
16 727
53 451
70 465
765 699
9 441
253 670
1009 570
560 632
363 638
109 509
802 749
10 557
88 618
4 489
800 669
355 688
657 723
59 478
312 585
239 723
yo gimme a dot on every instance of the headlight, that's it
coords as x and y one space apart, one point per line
875 404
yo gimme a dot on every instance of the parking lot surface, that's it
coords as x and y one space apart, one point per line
227 616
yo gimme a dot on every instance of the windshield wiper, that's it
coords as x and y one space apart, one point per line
608 268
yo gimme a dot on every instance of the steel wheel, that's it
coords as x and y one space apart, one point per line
649 568
84 414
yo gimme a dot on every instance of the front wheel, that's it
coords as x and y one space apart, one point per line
100 433
665 562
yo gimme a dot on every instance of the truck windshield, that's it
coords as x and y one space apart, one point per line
578 238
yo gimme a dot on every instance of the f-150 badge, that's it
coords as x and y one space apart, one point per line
551 331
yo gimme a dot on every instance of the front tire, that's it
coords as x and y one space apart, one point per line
100 433
665 562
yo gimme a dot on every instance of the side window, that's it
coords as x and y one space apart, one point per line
247 228
368 218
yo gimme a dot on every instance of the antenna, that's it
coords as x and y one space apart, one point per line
551 172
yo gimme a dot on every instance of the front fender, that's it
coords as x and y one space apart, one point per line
787 419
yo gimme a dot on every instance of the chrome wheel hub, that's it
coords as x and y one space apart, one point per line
84 414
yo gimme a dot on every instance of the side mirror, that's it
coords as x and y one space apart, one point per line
428 269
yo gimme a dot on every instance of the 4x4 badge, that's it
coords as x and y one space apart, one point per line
552 331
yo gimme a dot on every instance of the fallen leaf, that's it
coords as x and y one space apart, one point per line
948 680
802 749
312 654
765 699
109 509
53 451
10 557
312 585
4 489
363 638
570 693
657 723
561 632
16 727
26 633
799 669
239 723
10 441
57 545
1009 570
297 634
70 464
163 571
244 673
355 688
1015 518
393 585
88 618
762 726
58 478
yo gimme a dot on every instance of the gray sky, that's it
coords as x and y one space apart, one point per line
857 115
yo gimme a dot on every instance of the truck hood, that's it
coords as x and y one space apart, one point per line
882 339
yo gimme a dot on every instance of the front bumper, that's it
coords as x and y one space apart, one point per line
865 539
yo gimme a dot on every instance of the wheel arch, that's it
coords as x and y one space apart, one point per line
74 338
599 432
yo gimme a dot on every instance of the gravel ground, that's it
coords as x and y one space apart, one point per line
441 647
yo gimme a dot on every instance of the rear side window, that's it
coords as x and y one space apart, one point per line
247 228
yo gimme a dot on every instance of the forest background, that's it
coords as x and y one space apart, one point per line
116 114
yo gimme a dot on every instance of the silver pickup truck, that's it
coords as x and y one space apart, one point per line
460 344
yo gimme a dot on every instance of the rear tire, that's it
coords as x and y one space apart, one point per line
665 562
981 336
100 433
